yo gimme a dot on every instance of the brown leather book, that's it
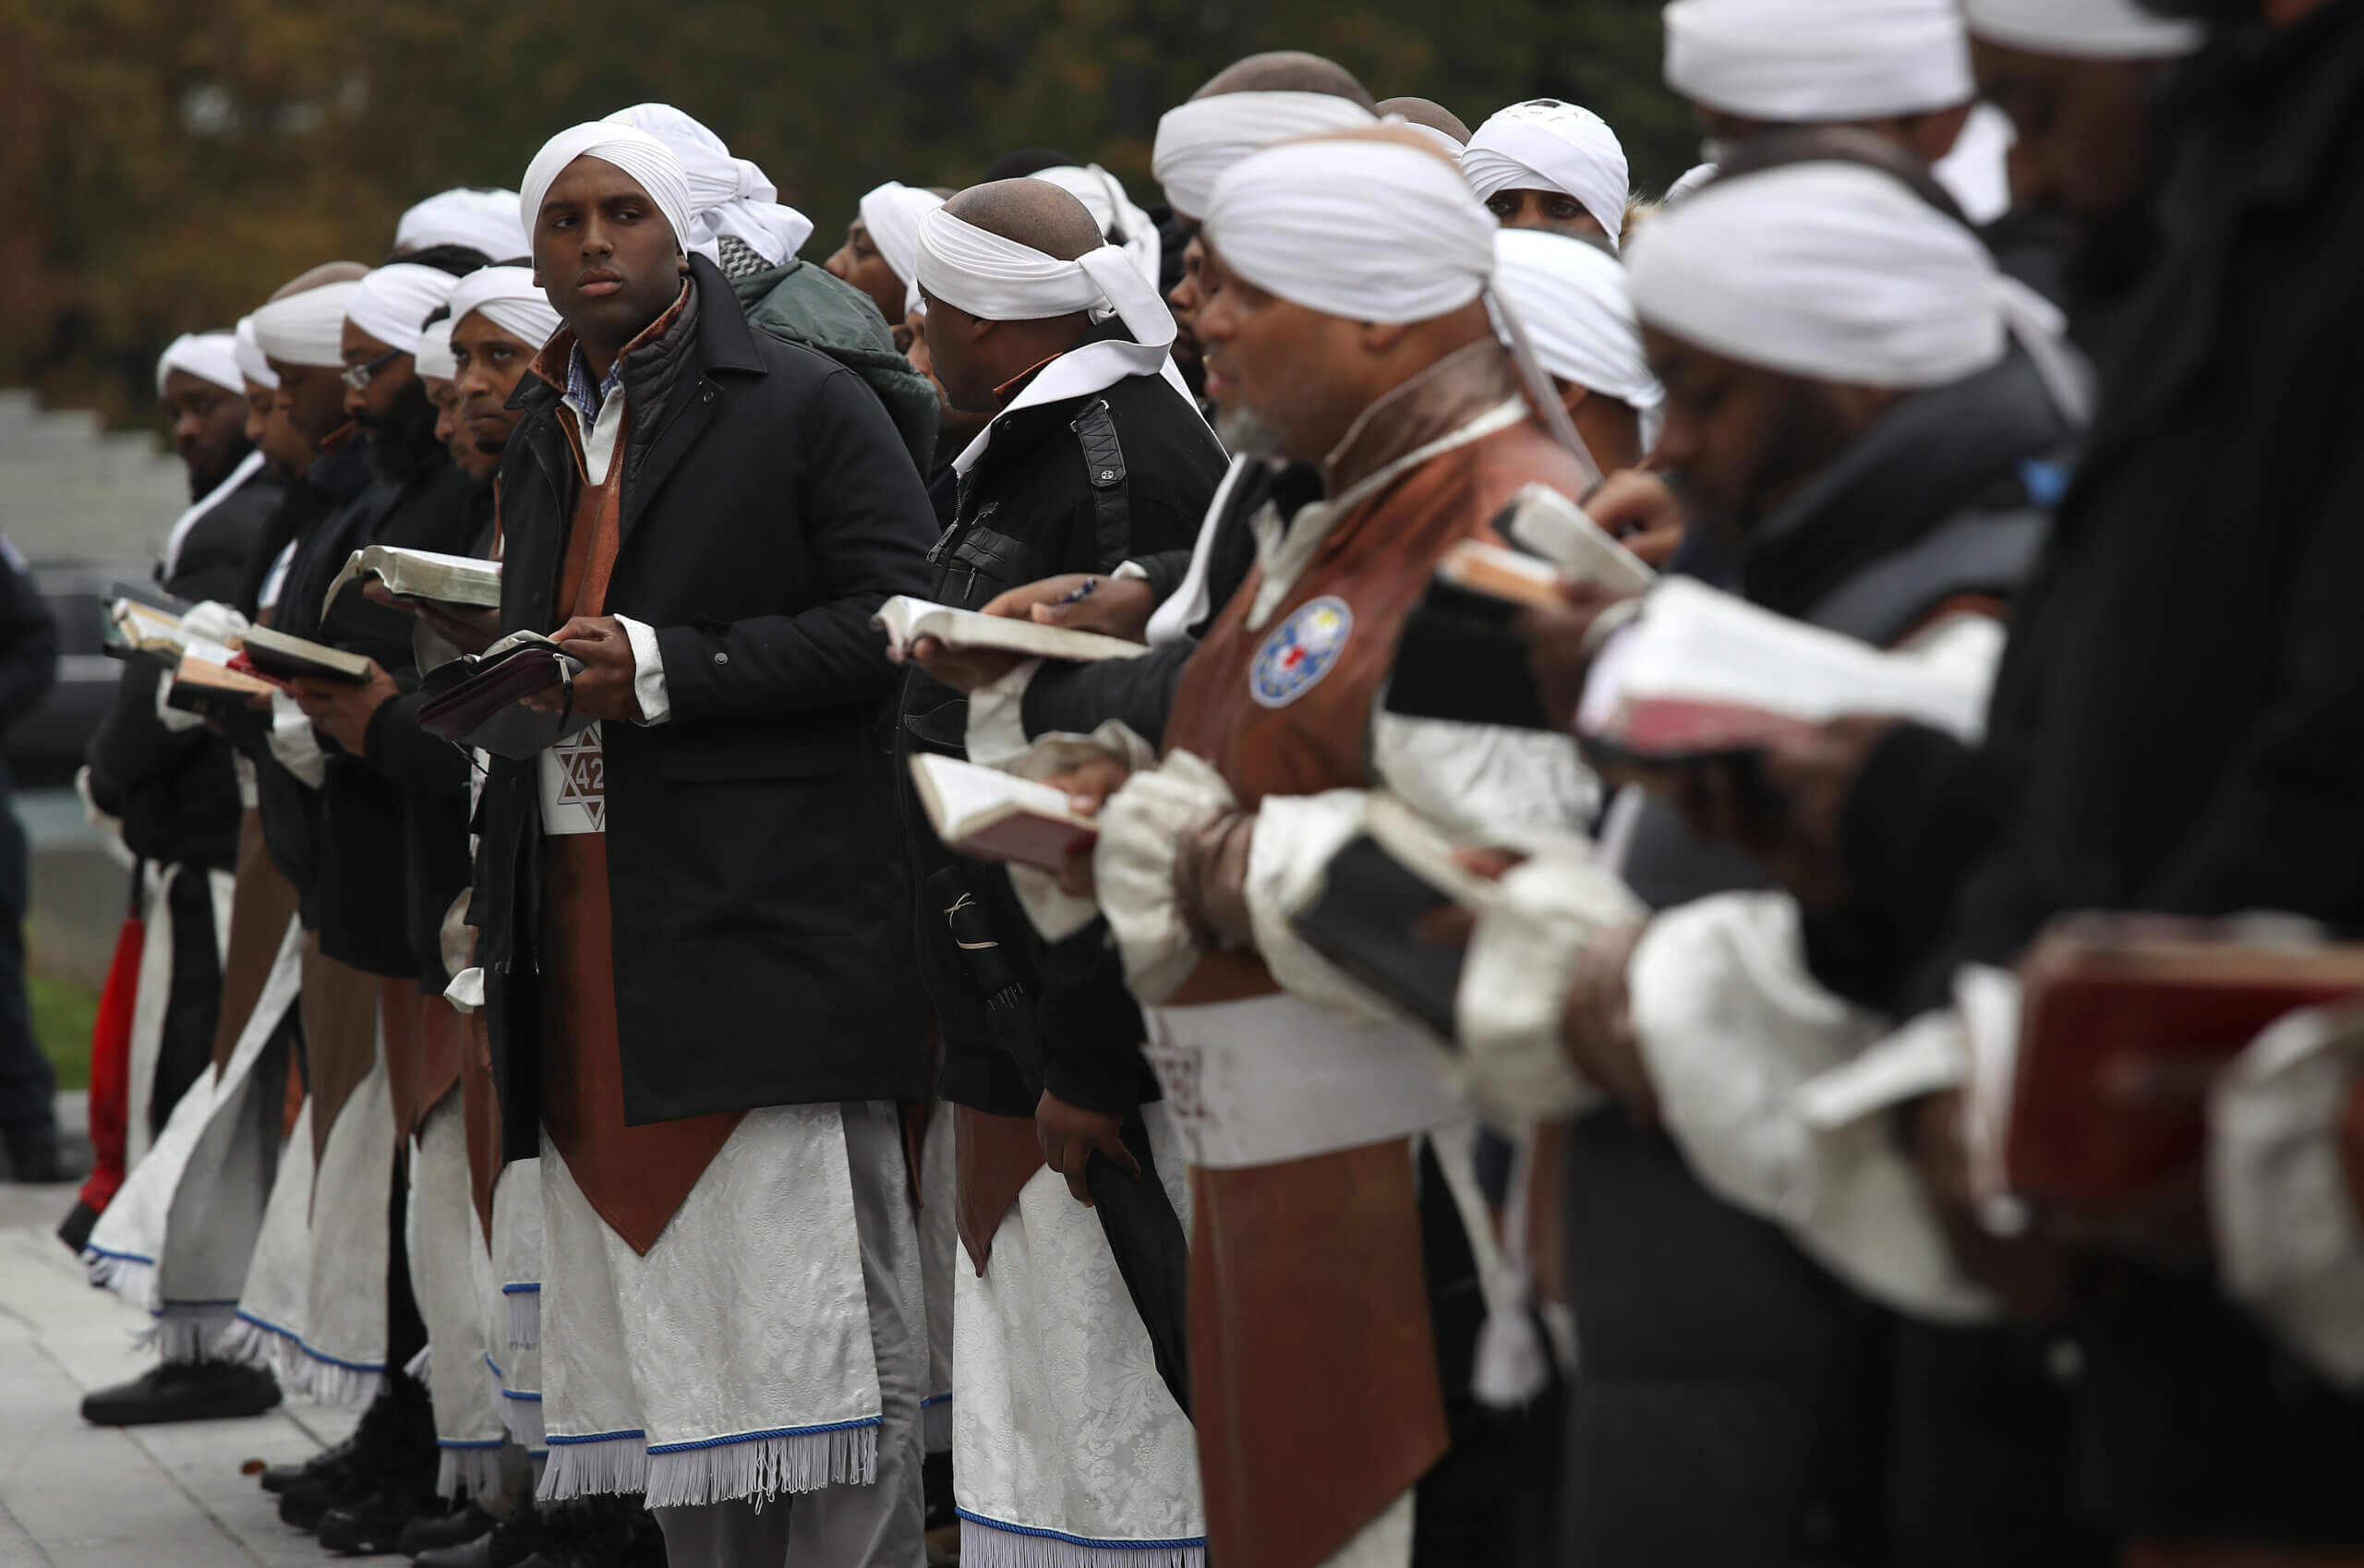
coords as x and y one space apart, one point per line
2123 1026
477 700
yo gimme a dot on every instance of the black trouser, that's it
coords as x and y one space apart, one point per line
193 1004
28 1087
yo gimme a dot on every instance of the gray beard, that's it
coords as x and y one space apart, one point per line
1245 434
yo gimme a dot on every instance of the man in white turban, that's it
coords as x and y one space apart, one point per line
199 384
1349 346
1900 68
1570 295
705 518
2081 81
881 254
737 220
1830 343
1545 164
474 218
1094 455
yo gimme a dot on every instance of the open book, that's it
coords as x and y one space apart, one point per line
134 629
2123 1022
1379 893
203 683
281 656
1703 672
477 700
460 580
906 619
1556 528
998 816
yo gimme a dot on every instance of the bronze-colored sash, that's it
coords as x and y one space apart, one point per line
423 1036
993 1158
339 1008
259 911
1313 1368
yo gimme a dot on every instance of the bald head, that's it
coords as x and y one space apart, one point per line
1033 212
326 273
1421 111
1287 70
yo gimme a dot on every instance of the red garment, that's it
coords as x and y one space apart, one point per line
110 1065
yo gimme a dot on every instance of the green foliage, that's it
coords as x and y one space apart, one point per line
64 1014
166 165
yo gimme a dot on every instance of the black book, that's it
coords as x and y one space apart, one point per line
1379 894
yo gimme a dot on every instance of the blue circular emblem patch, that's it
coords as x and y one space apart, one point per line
1300 651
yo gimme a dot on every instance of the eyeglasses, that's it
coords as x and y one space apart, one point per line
358 376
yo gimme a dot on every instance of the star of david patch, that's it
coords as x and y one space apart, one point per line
1300 651
583 778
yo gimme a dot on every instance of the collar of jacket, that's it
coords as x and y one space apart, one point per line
1429 406
711 332
1895 503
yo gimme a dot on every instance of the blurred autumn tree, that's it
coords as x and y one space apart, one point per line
163 164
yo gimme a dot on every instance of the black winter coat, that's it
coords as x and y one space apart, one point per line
1038 504
762 920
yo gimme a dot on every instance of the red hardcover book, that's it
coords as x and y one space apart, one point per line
2119 1039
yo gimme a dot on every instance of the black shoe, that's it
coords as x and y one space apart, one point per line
279 1478
75 1229
509 1544
183 1391
392 1448
45 1160
937 1508
372 1526
429 1531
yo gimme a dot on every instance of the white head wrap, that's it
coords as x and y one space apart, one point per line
1839 272
727 196
647 160
1815 62
1104 195
892 212
252 365
1571 298
210 356
1692 178
393 301
1198 140
1547 145
1976 171
432 357
510 299
306 328
1372 231
481 220
2082 29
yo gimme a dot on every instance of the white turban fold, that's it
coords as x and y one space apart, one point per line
1692 178
1817 62
996 278
892 212
210 356
1570 295
1104 196
306 328
251 364
393 302
649 162
1198 140
1547 145
1371 230
432 358
1442 141
726 195
481 220
1839 272
1976 171
2082 29
510 299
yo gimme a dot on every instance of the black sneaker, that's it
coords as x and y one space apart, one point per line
183 1391
373 1526
440 1528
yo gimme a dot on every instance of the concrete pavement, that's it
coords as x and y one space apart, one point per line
78 1496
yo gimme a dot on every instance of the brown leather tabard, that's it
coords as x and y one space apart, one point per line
339 1008
993 1158
1313 1366
635 1177
423 1035
480 1116
259 911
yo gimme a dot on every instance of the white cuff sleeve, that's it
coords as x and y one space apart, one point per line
1482 781
1288 855
2289 1245
1058 916
1776 1090
997 718
175 720
1515 982
1129 572
648 672
1140 836
295 744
